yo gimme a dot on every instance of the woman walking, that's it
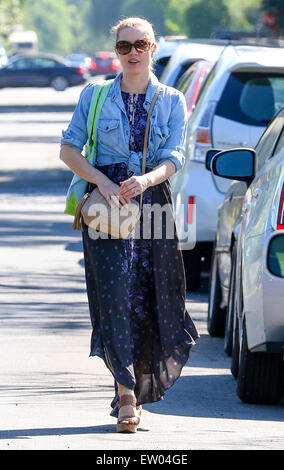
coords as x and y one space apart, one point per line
135 286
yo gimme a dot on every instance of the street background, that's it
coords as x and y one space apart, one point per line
52 394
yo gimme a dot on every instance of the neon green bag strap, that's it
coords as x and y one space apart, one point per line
98 98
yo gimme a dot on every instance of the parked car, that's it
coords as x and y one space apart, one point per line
185 55
243 92
192 81
165 49
105 63
79 59
41 70
3 56
251 234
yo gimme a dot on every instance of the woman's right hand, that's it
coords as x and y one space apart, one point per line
111 192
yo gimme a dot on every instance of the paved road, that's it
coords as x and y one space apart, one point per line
52 395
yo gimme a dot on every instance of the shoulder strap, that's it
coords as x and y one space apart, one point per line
92 108
98 98
101 99
146 136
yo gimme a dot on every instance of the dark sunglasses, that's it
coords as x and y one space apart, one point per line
141 45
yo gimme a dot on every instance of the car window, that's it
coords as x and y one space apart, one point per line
280 143
104 61
160 65
252 98
265 146
207 83
43 62
182 68
165 72
185 80
21 64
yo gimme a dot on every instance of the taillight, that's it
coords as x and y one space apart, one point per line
190 209
81 70
93 65
202 135
201 139
197 88
115 65
280 216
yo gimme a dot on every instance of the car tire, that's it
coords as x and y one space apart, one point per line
59 83
230 312
192 268
235 349
216 315
260 375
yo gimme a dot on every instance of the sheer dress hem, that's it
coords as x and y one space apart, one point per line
136 293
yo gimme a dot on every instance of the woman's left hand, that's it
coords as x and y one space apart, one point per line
134 186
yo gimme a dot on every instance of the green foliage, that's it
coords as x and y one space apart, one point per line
202 19
175 17
10 14
154 11
52 21
66 26
102 15
244 14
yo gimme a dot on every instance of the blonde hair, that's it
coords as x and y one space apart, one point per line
132 22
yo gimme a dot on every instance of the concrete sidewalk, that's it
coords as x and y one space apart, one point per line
52 394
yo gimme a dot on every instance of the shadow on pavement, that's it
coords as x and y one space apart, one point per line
45 139
212 396
46 108
49 181
36 233
42 316
26 433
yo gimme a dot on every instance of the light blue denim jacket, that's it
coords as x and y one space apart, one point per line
167 128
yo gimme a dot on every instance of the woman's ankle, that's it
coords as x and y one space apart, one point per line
122 390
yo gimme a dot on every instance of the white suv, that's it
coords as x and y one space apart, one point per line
187 54
240 97
166 46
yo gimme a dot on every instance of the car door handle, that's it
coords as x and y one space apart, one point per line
245 208
256 192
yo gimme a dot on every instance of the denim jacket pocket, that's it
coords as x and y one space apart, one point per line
107 131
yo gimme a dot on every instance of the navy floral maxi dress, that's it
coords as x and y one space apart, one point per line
136 292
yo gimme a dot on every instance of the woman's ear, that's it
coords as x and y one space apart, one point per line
154 47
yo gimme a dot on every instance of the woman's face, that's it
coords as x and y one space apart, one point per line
135 62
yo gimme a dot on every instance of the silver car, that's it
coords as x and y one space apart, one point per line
243 92
248 264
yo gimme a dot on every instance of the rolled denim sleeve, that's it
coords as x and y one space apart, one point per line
174 147
76 133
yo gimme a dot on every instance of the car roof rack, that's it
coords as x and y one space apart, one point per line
262 41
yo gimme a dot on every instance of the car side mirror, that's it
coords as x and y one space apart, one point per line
209 155
235 164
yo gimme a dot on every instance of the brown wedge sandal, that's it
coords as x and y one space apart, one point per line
125 422
114 412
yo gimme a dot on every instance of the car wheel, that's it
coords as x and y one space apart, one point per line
260 375
216 315
59 83
192 268
235 348
228 338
